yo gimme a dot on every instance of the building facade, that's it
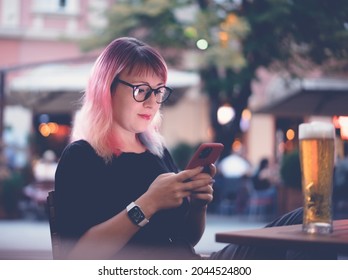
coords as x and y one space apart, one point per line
35 31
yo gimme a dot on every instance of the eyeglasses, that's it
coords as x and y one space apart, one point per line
143 91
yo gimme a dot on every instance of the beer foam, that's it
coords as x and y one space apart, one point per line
316 130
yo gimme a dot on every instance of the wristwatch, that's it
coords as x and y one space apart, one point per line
136 215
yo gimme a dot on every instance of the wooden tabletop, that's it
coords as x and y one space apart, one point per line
289 235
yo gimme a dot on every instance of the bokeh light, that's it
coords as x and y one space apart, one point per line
202 44
225 114
290 134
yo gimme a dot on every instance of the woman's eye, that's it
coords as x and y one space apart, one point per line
159 90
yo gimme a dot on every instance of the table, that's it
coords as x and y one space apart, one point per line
289 236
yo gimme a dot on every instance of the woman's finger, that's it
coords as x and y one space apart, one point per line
188 174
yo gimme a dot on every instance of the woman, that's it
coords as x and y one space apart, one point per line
118 162
118 191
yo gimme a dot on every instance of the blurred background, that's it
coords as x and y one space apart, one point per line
245 73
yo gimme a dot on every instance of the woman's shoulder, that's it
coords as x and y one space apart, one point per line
80 149
79 144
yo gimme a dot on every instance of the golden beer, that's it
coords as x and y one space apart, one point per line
317 152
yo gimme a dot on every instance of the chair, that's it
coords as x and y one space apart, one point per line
55 238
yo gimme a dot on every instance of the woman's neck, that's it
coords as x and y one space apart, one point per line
132 143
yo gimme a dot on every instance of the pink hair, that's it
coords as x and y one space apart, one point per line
93 122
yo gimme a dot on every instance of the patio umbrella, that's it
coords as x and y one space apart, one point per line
58 87
317 97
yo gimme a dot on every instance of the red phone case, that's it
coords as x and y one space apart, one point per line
206 154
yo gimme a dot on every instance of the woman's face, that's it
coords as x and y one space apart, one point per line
128 114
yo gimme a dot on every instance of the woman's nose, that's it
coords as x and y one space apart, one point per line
151 100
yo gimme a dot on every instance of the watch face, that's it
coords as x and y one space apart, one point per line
136 215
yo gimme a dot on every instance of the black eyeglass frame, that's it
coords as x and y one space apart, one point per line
148 94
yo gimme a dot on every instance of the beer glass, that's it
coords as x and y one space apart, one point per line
317 152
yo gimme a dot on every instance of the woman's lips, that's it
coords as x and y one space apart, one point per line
145 116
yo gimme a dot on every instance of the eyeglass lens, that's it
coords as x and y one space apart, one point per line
143 92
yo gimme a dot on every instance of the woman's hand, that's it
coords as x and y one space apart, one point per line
168 190
202 196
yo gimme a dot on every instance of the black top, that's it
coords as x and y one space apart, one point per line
90 191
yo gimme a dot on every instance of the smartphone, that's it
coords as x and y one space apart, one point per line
206 154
